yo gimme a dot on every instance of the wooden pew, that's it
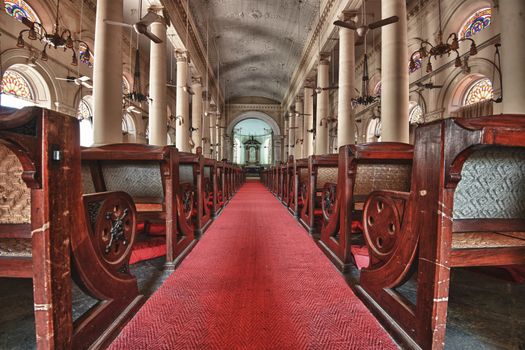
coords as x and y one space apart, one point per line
464 208
288 181
220 185
362 169
321 170
300 181
192 179
151 175
51 233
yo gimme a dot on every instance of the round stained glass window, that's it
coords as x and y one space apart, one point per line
481 90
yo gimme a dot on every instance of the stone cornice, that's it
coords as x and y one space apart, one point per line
254 107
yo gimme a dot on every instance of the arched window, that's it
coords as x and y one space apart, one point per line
128 128
417 63
416 115
125 86
373 132
480 90
478 21
83 54
16 91
377 89
20 9
85 116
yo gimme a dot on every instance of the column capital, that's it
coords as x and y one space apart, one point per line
349 15
298 99
197 80
181 55
309 84
323 61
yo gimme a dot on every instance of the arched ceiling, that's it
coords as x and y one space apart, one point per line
258 43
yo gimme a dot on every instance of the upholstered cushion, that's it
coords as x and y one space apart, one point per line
371 177
15 247
492 185
326 175
15 196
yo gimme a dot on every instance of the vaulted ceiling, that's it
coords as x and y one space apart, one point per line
255 45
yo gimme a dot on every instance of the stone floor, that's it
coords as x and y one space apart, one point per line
17 330
484 312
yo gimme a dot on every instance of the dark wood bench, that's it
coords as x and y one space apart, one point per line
300 186
322 169
465 207
150 174
288 182
362 169
51 233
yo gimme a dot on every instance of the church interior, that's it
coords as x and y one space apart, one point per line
247 174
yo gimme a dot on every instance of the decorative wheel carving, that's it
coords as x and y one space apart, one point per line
114 230
382 226
328 200
303 192
188 200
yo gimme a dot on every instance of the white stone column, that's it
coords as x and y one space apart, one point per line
182 127
291 133
321 125
213 136
512 18
196 113
158 108
308 137
286 139
107 74
298 125
345 113
394 75
206 136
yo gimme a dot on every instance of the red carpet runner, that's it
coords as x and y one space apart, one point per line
255 281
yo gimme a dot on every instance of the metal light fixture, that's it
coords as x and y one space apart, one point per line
364 99
441 48
55 39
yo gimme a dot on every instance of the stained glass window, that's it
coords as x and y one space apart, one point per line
416 115
377 89
479 91
417 61
84 57
125 86
476 23
13 83
84 110
19 9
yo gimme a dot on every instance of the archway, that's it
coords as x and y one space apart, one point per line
270 148
252 142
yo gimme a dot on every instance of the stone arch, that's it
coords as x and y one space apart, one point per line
42 94
254 115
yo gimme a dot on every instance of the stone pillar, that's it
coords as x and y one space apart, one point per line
308 137
206 136
196 113
158 108
220 132
212 115
291 133
286 139
345 113
321 125
298 125
394 75
182 127
107 74
512 16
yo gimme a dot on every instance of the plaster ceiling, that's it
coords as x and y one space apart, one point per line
258 43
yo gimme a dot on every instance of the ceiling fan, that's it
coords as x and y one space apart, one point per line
81 81
429 85
142 26
318 89
363 29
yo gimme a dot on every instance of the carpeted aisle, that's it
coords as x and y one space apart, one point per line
255 281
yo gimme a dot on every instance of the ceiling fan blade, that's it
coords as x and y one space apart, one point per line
436 86
149 18
121 24
152 37
349 25
84 78
65 79
86 85
171 85
383 22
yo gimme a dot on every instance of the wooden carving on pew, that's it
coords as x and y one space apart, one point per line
150 174
46 225
362 169
288 182
321 170
465 207
300 186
